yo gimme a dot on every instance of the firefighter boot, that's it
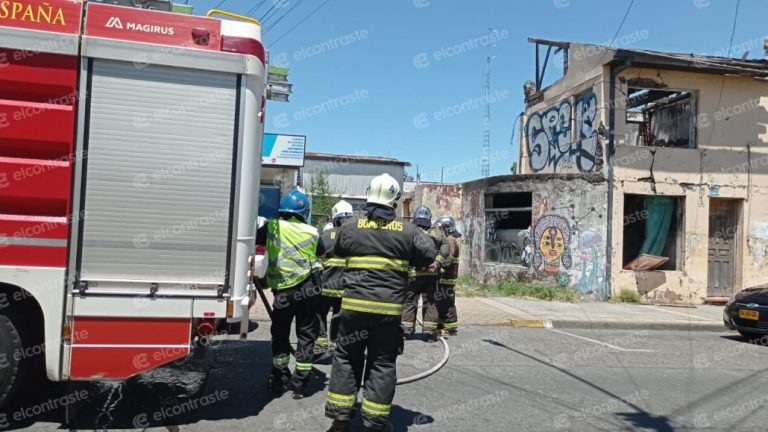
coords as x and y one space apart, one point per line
339 426
277 385
298 392
388 428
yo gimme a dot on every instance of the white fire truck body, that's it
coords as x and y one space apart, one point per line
130 151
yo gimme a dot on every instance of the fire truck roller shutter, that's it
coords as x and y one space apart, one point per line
159 174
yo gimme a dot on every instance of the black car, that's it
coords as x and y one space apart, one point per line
747 312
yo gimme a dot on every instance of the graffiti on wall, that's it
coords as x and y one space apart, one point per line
553 145
572 257
552 240
589 266
588 147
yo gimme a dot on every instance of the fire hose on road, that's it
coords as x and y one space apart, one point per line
401 381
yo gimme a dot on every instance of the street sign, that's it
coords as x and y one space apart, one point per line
283 150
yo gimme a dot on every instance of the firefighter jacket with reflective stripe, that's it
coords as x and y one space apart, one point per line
379 253
292 248
443 249
333 266
451 271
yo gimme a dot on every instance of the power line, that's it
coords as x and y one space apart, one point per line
621 25
613 39
252 10
272 25
728 54
220 3
300 22
514 129
275 5
733 27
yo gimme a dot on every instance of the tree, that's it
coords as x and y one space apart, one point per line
514 168
323 196
408 177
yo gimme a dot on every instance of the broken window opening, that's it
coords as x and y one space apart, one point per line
653 232
508 218
661 118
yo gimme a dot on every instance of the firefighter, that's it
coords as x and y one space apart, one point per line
379 248
292 248
332 288
445 298
423 280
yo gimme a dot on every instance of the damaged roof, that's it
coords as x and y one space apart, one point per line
678 61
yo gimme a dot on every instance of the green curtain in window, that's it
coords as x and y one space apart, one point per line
659 211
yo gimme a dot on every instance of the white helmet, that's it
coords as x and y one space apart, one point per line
342 209
384 190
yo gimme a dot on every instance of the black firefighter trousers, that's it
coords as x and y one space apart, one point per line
328 304
300 302
372 340
440 309
419 286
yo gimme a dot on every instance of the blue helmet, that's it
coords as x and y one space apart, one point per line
295 202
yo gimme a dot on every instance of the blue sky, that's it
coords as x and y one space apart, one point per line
386 78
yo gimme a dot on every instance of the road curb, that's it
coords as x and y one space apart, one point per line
608 325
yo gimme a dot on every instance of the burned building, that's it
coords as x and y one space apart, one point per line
640 170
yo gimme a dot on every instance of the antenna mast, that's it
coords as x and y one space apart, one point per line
487 120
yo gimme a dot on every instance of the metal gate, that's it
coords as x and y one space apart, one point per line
723 235
158 183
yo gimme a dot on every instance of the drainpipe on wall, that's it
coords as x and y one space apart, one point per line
609 164
609 172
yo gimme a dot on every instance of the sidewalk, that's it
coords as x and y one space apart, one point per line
514 312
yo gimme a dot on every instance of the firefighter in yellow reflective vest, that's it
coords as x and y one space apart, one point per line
379 248
423 280
292 247
333 267
445 297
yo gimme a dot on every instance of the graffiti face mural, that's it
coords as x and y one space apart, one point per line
551 143
552 238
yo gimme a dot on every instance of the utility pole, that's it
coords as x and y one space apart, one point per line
487 120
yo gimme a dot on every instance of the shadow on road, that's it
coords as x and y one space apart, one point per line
228 383
640 419
170 396
401 418
763 341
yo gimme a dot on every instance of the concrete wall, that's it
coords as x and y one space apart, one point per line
574 205
442 199
561 131
730 161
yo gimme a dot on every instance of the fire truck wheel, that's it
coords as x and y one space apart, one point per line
10 344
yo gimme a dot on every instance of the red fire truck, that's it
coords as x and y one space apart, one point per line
130 149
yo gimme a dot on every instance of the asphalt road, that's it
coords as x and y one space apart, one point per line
498 379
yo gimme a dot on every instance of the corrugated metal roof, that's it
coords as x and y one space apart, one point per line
347 185
356 158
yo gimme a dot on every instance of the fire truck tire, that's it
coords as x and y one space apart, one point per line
10 343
